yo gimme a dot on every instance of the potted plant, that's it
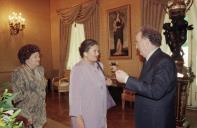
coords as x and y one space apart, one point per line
8 113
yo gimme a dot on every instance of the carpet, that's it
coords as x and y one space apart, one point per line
54 124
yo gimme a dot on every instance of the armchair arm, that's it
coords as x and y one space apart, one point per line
55 79
64 79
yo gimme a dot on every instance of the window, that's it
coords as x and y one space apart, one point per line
77 36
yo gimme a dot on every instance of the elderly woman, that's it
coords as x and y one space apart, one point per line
88 97
29 83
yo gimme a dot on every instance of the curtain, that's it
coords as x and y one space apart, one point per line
65 32
77 36
192 40
87 14
153 13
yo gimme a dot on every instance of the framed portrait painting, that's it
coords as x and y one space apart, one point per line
119 32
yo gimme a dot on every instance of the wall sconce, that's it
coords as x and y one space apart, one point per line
16 23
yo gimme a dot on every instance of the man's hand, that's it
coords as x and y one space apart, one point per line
121 76
108 82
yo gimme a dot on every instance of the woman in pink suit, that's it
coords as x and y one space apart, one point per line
88 95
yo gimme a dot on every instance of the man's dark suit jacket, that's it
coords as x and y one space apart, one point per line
155 92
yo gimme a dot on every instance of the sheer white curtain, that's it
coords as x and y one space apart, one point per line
77 36
192 59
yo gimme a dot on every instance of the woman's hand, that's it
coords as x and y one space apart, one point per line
26 122
80 122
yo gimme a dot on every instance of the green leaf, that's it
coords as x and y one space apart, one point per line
16 113
6 104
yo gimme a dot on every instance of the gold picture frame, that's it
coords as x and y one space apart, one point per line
119 32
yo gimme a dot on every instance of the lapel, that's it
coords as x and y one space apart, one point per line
148 64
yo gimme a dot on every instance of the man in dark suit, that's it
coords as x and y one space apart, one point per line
156 87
